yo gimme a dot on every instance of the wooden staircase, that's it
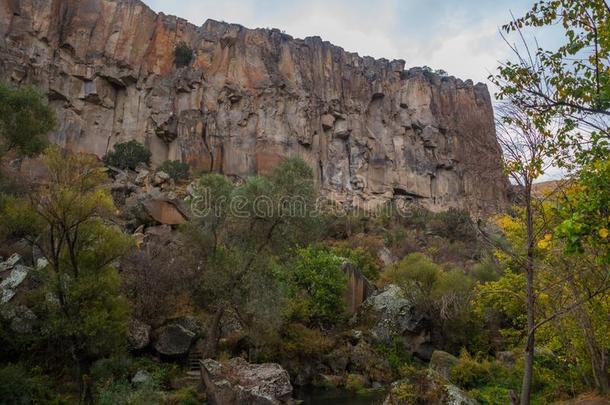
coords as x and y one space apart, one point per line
193 367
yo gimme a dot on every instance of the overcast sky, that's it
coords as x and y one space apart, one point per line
460 37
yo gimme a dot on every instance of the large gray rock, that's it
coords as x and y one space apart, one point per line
239 382
176 337
9 285
252 97
9 263
389 314
435 390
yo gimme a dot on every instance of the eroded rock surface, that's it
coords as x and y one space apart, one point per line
389 314
239 382
371 130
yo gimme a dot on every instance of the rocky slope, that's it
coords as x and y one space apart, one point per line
371 130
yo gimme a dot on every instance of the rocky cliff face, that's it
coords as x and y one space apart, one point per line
371 130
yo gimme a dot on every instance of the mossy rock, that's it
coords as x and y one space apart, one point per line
442 362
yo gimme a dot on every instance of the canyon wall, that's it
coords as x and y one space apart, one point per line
371 130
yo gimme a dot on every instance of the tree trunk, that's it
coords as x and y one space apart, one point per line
599 360
528 369
211 344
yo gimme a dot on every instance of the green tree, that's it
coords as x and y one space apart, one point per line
25 119
66 219
127 155
240 232
565 92
571 295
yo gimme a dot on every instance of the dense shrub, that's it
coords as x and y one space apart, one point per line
25 119
124 393
442 295
485 271
18 386
184 54
176 169
127 155
299 340
316 285
395 354
361 258
418 387
469 372
454 225
111 380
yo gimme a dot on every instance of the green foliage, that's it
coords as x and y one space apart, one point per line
124 393
176 169
183 54
418 387
317 285
395 354
489 381
299 340
241 233
361 258
504 298
585 209
442 295
453 225
20 386
485 271
127 155
469 372
77 295
25 119
355 383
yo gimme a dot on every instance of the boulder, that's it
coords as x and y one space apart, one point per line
328 121
138 335
141 377
176 337
239 382
442 362
455 396
141 177
161 178
164 211
8 286
9 263
389 314
431 390
230 324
